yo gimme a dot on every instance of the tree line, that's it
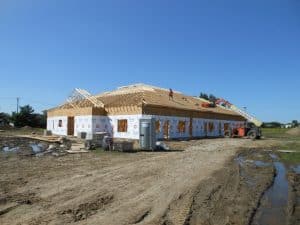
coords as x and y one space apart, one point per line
209 97
275 124
25 117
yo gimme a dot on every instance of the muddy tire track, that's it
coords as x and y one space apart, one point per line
232 194
178 210
293 209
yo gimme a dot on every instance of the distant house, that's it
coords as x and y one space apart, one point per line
287 125
176 115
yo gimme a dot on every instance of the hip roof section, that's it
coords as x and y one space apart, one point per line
145 95
141 94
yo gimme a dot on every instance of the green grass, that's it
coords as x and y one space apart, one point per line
290 145
21 131
276 133
293 157
286 142
280 134
98 150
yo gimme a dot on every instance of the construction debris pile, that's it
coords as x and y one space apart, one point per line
30 147
52 145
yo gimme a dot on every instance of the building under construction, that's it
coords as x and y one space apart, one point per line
120 112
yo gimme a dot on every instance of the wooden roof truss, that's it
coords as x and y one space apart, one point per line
80 96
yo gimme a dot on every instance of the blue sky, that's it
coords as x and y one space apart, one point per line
245 51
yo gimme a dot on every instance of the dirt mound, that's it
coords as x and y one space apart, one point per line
294 131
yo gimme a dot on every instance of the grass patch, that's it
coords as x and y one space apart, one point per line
293 157
290 145
286 142
98 151
276 133
22 131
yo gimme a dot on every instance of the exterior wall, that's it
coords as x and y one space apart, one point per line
52 124
82 124
133 128
198 127
91 124
101 124
173 124
109 124
98 122
200 131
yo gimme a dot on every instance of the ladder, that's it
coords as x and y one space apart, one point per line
239 111
249 117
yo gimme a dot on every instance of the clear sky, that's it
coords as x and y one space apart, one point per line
245 51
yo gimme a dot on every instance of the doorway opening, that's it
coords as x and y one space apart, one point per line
70 130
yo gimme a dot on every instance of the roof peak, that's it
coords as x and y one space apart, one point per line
134 88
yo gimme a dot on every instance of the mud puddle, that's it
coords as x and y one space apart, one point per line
280 203
254 188
296 168
274 203
232 195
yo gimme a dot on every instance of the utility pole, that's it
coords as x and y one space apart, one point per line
18 98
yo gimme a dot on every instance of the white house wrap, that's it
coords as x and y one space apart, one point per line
178 116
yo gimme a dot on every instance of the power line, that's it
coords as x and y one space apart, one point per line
18 98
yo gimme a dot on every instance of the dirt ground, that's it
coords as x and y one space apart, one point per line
121 188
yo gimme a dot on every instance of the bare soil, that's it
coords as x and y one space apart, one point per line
233 194
198 182
294 131
294 198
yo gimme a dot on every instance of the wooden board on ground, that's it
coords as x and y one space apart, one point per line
52 139
77 151
287 151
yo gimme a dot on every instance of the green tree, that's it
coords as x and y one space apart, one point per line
204 96
212 98
27 117
273 124
4 118
40 120
295 123
24 118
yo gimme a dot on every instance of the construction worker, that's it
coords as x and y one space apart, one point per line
171 94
